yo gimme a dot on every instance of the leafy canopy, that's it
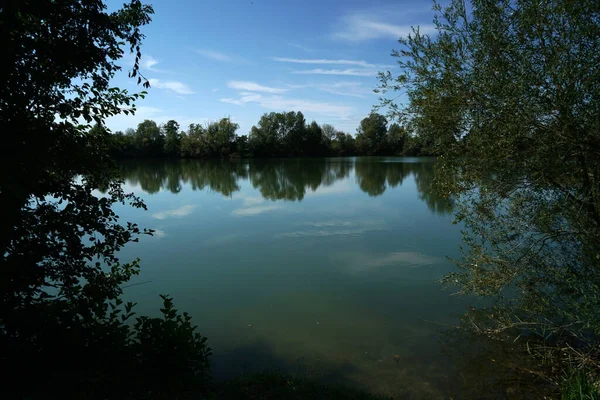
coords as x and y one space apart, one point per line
62 324
508 93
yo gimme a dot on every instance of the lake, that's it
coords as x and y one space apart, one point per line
322 267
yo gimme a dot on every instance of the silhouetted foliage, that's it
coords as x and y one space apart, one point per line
64 332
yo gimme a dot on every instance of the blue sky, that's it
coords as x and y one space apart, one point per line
211 59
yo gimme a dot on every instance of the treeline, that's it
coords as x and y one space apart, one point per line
277 134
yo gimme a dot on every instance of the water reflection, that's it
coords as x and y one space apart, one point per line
286 179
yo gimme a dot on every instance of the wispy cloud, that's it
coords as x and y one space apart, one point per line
159 233
224 239
359 63
356 262
252 201
302 47
339 187
148 62
253 87
352 89
175 86
334 228
122 121
280 103
177 212
360 26
255 210
214 55
346 72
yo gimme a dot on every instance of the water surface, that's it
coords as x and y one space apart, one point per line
323 267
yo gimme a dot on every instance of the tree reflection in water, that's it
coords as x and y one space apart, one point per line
286 179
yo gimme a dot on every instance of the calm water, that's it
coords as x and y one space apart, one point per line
320 267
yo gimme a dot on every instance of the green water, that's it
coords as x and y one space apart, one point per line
324 267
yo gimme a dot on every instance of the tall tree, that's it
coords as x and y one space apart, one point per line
149 138
62 324
396 139
313 141
508 93
371 134
172 138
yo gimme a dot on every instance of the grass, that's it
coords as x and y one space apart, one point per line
267 386
579 387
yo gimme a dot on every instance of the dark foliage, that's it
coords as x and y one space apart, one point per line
64 332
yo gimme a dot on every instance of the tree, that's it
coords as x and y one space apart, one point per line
278 134
149 139
313 142
241 146
59 304
329 132
396 139
344 144
371 134
291 130
194 144
508 94
172 138
220 136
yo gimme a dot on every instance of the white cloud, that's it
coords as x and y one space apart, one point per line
253 87
361 26
353 89
302 47
232 101
281 103
159 233
121 122
359 63
409 259
347 72
334 228
252 201
224 239
148 62
175 86
355 262
214 55
215 90
338 187
255 210
177 212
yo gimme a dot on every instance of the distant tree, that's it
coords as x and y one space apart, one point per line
278 134
344 144
172 138
313 142
396 139
149 139
329 132
220 137
371 134
241 146
193 143
292 132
